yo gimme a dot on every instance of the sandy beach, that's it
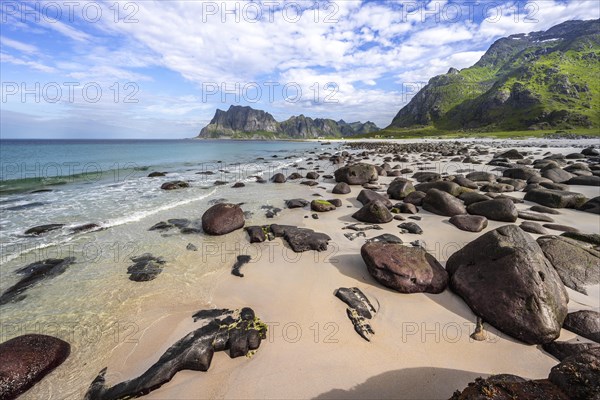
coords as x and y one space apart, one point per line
421 348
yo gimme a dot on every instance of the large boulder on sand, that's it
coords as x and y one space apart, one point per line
366 196
400 188
222 218
497 210
506 279
576 265
585 323
26 360
578 376
341 188
555 198
405 269
442 203
374 212
357 174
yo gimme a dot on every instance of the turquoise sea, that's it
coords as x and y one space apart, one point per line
75 182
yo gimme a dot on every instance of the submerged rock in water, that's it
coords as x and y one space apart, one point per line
41 229
34 273
239 332
145 268
26 360
173 185
241 260
359 310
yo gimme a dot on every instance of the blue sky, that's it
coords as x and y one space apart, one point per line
150 69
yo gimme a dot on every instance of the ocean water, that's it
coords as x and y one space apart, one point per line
106 182
93 305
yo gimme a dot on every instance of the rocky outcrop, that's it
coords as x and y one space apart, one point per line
506 279
247 122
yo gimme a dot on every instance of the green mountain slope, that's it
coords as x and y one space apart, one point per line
540 80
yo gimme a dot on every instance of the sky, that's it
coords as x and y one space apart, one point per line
160 69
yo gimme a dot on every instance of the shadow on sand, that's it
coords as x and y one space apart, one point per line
410 383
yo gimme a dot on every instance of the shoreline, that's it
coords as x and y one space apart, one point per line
421 347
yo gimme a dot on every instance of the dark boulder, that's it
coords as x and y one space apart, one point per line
442 203
374 212
321 206
584 180
405 269
256 234
506 279
312 175
562 350
555 198
173 185
497 210
445 186
533 216
473 197
578 376
366 196
509 387
533 227
26 360
399 188
356 174
411 227
296 203
591 206
585 323
415 198
469 223
222 218
301 239
426 176
156 174
481 176
557 175
278 178
577 266
341 188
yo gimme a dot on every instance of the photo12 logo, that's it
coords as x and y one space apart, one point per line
254 92
69 92
54 12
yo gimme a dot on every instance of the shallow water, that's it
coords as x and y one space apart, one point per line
93 305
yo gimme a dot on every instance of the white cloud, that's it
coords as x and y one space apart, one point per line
7 58
20 46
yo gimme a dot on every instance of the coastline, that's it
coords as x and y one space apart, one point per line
421 347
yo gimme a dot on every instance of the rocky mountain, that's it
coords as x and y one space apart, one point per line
540 80
246 122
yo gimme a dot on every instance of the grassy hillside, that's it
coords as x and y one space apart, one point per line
540 81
